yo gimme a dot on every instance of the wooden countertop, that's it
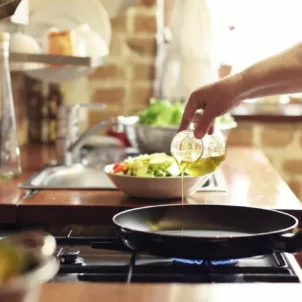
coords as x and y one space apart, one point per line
268 113
33 158
251 181
9 198
85 292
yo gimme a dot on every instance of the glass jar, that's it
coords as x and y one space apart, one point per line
198 157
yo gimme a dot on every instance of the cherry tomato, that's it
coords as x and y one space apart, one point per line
118 167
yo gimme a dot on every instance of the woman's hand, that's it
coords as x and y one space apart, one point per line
216 99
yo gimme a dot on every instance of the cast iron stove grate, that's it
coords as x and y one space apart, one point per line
268 268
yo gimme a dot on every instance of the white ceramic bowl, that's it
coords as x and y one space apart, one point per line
155 187
26 287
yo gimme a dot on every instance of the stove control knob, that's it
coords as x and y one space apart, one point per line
69 256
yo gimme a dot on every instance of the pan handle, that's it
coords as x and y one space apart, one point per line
289 243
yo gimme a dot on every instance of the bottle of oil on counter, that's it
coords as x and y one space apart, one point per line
198 157
10 164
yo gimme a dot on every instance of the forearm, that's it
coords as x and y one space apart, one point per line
280 74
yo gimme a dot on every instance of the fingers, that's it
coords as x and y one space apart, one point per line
205 123
211 129
189 111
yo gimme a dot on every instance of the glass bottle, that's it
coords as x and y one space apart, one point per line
198 157
10 164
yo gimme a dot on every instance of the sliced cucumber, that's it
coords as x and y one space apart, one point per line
156 164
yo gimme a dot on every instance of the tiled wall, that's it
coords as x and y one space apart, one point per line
281 143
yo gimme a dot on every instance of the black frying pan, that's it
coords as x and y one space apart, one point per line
211 232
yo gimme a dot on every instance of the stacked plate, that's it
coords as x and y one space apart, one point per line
66 15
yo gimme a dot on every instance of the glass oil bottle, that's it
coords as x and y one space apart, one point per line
198 157
10 163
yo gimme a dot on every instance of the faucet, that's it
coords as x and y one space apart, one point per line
72 154
69 141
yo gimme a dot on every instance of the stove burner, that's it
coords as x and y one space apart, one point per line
78 264
202 262
70 256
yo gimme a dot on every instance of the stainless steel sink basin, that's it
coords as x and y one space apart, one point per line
80 177
76 177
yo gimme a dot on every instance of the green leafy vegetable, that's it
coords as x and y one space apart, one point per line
161 113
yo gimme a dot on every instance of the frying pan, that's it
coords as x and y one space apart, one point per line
211 232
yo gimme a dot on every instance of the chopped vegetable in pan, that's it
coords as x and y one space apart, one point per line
12 261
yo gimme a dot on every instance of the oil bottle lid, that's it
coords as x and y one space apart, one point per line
4 36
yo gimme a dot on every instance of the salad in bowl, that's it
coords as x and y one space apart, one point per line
154 176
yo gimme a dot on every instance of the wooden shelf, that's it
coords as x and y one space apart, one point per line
56 59
54 68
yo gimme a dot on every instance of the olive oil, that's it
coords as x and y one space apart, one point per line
182 170
202 166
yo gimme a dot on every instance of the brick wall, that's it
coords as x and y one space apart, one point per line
281 143
125 83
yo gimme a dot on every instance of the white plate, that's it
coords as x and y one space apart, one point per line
67 14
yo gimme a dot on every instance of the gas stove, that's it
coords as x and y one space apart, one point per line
95 259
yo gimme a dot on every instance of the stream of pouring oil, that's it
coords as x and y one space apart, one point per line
182 199
200 167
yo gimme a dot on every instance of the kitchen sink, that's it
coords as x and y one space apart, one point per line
76 177
81 177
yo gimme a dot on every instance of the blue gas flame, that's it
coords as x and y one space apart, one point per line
199 262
